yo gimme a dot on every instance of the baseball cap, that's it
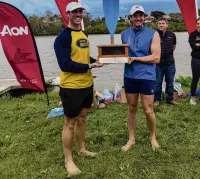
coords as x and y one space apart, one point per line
74 5
136 8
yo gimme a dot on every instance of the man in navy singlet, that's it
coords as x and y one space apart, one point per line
139 73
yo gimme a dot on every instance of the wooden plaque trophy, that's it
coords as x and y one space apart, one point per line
112 53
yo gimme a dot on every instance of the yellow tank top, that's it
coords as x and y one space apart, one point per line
80 52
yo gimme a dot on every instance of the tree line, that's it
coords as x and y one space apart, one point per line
52 24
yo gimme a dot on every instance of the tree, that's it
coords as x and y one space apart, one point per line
34 19
48 14
98 19
35 23
157 14
51 19
176 17
87 18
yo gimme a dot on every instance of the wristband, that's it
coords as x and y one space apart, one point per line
90 66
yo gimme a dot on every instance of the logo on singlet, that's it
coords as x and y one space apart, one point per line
82 43
197 38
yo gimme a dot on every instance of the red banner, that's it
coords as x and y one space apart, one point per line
20 48
189 11
62 4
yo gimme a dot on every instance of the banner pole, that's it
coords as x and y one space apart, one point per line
39 63
47 98
197 9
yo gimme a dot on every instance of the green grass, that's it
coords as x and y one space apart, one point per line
30 144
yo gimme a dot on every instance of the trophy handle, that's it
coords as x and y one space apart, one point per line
112 40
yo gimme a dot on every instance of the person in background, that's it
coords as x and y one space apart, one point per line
76 83
139 73
194 41
166 68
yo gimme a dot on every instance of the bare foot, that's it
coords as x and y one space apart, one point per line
128 145
87 154
154 145
72 169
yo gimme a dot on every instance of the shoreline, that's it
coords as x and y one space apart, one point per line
98 34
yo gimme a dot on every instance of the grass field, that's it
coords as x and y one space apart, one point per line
30 144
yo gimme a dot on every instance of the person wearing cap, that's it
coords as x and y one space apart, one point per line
72 50
139 73
166 68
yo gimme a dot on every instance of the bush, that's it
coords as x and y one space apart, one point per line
152 25
184 80
98 27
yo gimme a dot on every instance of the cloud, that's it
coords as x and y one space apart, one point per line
123 8
34 6
94 7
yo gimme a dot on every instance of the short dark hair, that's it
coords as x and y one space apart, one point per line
197 19
163 19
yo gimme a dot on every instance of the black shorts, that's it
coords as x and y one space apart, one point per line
74 100
139 86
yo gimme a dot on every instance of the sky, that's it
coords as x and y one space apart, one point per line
94 7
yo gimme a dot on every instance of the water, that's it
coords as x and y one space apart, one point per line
108 75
